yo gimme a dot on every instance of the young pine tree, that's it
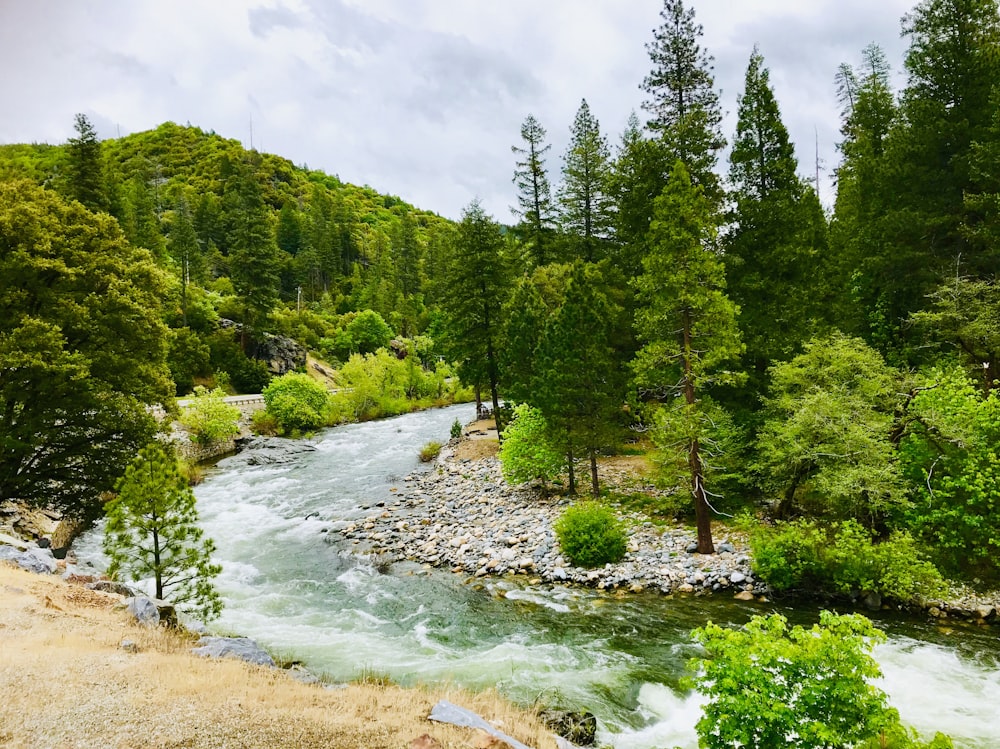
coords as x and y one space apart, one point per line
153 532
534 196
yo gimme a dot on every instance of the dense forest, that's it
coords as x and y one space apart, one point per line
835 368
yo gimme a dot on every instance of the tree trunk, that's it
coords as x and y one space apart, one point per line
701 508
158 568
570 472
479 402
594 486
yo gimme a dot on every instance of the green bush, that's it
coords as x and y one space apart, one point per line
590 534
843 559
456 430
209 418
429 451
526 453
297 402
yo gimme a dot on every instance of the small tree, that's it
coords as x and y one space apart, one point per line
768 686
297 401
153 532
526 453
209 418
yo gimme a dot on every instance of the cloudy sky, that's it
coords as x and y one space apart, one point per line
418 98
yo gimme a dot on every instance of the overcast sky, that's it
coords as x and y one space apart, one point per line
418 98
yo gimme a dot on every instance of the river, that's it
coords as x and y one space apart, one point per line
620 657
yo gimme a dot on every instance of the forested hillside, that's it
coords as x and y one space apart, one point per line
838 365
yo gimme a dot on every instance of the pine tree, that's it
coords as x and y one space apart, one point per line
683 105
479 282
152 532
687 322
182 244
774 251
85 167
534 196
525 316
579 386
253 251
288 233
586 209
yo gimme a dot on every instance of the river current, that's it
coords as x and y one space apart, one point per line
621 657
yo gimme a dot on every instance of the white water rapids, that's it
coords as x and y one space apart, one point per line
621 658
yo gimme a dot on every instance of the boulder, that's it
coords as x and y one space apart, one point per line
144 610
281 354
262 451
578 727
234 647
32 559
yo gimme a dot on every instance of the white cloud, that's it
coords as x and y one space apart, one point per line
419 98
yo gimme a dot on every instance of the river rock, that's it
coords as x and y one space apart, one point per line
233 647
260 451
110 586
33 559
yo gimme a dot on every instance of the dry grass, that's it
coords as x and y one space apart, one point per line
66 682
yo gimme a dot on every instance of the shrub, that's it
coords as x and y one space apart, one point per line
590 534
525 452
209 418
456 430
770 686
843 559
297 402
429 451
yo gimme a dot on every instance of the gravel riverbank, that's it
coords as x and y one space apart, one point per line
461 514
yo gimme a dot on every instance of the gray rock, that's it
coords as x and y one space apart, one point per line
725 548
110 586
129 646
144 610
33 559
737 577
233 647
262 451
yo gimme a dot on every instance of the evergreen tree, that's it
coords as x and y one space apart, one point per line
857 265
288 233
639 175
774 251
153 532
141 224
586 209
683 105
579 386
953 64
534 196
85 166
182 245
254 253
478 282
525 316
688 323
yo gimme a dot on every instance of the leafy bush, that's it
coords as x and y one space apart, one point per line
843 559
297 401
429 451
590 534
209 418
770 686
950 456
526 453
456 430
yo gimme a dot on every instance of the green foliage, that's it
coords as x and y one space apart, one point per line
85 179
770 686
368 332
590 535
188 357
82 349
825 444
534 195
152 532
297 402
950 454
527 452
456 429
209 418
843 559
429 452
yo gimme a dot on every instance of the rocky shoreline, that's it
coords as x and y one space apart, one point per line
461 515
